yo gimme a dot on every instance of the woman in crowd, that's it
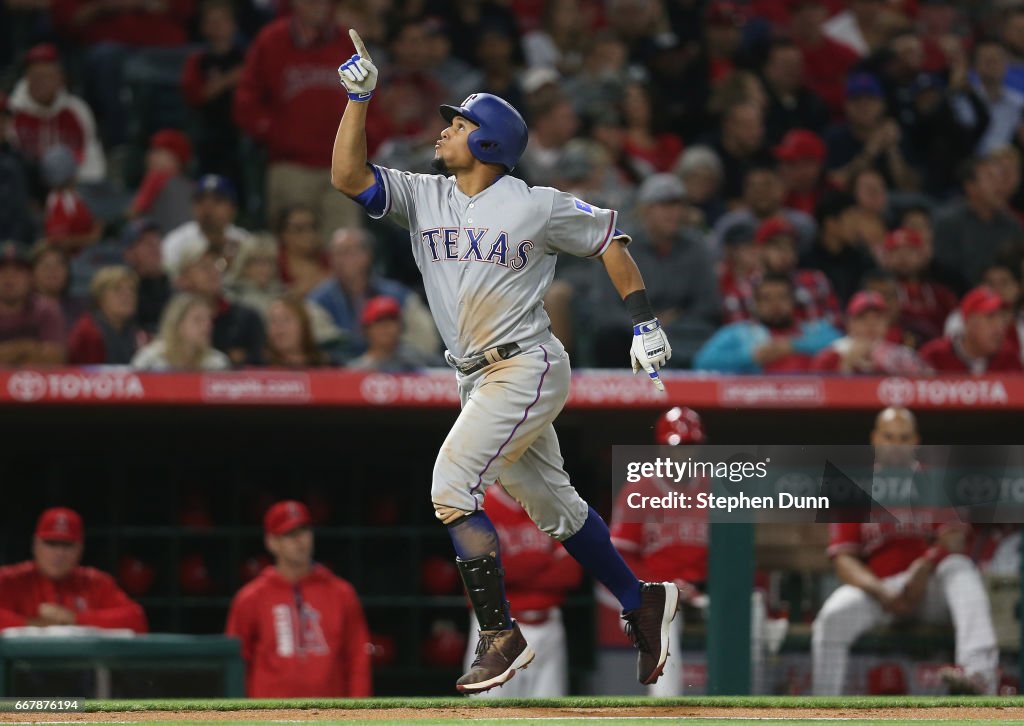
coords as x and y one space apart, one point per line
108 334
186 329
290 342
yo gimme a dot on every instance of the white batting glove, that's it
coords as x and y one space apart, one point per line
650 350
358 74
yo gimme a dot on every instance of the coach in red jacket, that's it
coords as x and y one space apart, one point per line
53 589
302 628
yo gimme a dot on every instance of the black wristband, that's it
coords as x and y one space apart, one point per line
639 307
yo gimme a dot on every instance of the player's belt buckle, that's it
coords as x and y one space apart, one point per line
498 353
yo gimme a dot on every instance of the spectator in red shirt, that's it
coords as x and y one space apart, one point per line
108 335
208 83
165 195
68 223
54 589
864 349
983 347
31 327
924 303
776 242
288 99
801 157
826 62
538 574
911 568
45 115
741 266
886 285
1003 276
302 628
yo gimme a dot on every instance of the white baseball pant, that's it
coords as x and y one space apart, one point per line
505 431
955 592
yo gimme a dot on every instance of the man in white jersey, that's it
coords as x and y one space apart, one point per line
485 244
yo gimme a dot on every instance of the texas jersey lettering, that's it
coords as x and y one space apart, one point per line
487 260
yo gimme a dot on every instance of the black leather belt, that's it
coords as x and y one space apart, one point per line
501 352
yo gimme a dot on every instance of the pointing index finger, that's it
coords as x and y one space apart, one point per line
358 43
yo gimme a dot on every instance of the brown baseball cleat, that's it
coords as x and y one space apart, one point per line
499 654
648 628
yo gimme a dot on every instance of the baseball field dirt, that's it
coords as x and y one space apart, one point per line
608 711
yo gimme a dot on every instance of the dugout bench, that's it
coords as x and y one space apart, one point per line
98 660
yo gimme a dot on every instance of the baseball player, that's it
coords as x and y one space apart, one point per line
485 243
538 574
913 568
674 547
302 628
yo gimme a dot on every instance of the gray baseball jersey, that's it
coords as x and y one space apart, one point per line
488 260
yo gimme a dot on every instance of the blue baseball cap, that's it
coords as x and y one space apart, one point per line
863 84
216 184
134 230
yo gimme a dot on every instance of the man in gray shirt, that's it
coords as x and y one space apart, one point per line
970 232
679 273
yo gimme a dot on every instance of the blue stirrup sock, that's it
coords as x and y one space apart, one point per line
479 561
592 547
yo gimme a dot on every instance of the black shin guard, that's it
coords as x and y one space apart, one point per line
483 580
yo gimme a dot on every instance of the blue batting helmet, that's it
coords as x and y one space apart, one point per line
502 136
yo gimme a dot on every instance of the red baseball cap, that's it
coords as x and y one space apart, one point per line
60 524
982 300
864 301
903 237
42 53
800 144
379 308
773 227
286 516
173 141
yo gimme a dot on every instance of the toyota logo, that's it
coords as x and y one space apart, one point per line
380 389
896 391
27 386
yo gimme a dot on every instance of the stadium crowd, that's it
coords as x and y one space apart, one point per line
810 185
